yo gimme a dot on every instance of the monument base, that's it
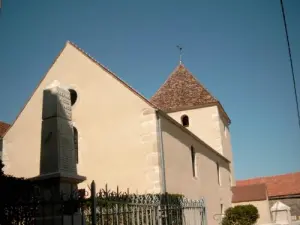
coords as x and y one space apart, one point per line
76 219
71 178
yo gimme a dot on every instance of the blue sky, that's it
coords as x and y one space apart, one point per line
237 49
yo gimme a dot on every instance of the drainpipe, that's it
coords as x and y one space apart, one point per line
161 149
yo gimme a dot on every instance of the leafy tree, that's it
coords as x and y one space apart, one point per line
241 215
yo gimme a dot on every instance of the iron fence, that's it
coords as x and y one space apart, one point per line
106 207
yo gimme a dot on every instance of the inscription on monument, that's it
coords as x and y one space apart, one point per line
67 157
65 104
65 127
57 103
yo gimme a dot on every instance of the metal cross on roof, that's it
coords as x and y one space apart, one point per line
180 52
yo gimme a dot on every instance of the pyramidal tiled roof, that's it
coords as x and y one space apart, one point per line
181 91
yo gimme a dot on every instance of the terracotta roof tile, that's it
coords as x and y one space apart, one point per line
181 90
3 128
256 192
280 185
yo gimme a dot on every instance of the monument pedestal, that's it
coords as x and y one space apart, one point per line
60 196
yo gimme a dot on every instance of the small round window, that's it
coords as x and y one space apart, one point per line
73 95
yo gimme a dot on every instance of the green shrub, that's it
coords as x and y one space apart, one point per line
241 215
14 191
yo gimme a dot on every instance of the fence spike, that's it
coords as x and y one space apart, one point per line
93 197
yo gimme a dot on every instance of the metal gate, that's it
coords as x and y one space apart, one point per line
106 207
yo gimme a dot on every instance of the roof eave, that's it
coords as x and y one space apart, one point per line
250 200
284 196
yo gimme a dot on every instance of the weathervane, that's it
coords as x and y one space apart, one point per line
180 52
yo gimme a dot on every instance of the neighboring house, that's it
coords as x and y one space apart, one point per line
255 194
284 188
179 141
3 128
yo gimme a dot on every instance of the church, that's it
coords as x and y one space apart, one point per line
177 142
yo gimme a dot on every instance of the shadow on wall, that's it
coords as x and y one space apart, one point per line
190 142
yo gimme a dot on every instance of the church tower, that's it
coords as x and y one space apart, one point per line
187 101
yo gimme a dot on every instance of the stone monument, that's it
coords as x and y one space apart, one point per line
58 173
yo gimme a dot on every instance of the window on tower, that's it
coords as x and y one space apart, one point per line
185 121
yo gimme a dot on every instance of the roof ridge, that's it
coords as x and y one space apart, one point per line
255 184
272 176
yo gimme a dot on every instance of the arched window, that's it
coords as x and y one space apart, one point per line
193 154
185 121
76 143
73 96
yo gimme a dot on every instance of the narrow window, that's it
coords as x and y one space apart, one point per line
222 209
193 154
76 143
185 121
218 172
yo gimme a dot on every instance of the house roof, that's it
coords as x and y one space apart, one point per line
181 90
255 192
3 128
280 185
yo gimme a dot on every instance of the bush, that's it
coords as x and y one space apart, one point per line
14 191
241 215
